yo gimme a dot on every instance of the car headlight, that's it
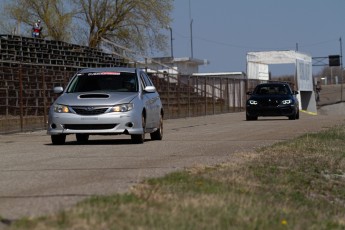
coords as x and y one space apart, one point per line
287 102
122 108
253 102
61 108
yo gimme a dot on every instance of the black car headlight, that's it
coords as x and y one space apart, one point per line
287 102
253 102
61 108
122 108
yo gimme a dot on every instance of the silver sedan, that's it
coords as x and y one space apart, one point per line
107 101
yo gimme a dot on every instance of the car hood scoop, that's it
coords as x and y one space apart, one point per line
94 95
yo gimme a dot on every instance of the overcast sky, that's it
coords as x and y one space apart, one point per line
225 30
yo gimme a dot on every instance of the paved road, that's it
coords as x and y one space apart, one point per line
38 178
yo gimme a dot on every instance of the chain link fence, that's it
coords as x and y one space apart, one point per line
26 94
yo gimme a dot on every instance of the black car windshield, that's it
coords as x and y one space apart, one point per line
104 81
280 89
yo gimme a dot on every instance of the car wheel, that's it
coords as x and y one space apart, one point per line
251 118
297 115
140 138
81 137
58 139
158 134
292 117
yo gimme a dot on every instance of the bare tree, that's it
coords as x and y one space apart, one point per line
55 15
136 24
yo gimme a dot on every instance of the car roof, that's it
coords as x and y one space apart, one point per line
274 83
109 69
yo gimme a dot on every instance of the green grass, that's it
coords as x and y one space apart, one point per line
298 184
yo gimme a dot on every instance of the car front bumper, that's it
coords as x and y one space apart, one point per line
110 123
258 111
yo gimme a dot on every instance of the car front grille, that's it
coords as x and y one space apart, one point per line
89 110
89 126
270 103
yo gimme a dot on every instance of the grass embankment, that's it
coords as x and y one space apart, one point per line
298 184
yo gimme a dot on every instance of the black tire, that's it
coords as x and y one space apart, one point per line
251 118
292 117
158 134
81 137
58 139
139 138
297 115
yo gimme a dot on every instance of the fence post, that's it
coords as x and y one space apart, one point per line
21 97
178 96
243 95
221 94
7 104
168 80
65 80
213 96
188 81
197 98
233 92
225 95
44 96
205 92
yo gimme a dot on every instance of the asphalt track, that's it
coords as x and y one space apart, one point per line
37 178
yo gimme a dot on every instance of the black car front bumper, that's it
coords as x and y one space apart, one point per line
262 111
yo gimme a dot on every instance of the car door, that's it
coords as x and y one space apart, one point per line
149 100
155 103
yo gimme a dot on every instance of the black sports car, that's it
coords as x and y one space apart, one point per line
272 99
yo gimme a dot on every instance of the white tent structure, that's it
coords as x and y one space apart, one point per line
258 68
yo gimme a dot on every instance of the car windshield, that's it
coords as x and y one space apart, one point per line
272 90
104 81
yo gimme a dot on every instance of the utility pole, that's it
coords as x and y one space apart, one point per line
191 38
191 30
171 42
341 67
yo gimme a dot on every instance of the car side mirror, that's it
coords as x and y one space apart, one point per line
249 93
58 89
150 89
295 92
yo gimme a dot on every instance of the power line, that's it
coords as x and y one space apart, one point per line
255 47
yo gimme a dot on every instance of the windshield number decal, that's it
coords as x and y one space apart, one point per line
104 73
